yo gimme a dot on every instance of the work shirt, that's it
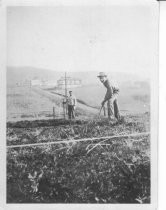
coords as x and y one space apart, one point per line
111 89
71 100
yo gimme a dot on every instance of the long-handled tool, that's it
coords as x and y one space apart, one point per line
100 111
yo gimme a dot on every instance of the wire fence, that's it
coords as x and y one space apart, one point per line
104 138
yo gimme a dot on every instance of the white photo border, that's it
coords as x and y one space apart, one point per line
154 104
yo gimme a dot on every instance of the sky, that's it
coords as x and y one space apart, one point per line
87 38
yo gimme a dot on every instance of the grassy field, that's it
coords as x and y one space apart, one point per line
30 103
131 99
24 101
114 171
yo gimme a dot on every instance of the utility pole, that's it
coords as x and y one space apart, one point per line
65 85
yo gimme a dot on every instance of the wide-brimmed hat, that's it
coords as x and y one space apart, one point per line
70 91
102 74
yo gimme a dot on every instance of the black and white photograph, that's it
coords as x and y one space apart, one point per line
81 103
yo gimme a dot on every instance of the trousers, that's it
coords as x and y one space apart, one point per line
113 108
71 112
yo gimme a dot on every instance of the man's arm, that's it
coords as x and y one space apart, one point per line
109 92
75 101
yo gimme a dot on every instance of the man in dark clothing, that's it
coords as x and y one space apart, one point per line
71 102
110 97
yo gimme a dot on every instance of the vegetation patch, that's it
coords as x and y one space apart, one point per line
115 170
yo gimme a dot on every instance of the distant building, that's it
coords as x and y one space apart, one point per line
25 83
36 82
71 82
29 83
49 83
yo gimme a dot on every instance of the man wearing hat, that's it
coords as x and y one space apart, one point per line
110 97
71 102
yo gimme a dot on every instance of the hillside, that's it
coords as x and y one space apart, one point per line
34 103
134 95
130 99
16 74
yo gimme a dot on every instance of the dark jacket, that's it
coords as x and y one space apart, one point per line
110 90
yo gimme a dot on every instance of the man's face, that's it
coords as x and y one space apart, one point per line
102 79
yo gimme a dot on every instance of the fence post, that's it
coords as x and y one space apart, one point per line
53 112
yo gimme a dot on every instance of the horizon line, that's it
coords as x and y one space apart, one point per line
49 69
